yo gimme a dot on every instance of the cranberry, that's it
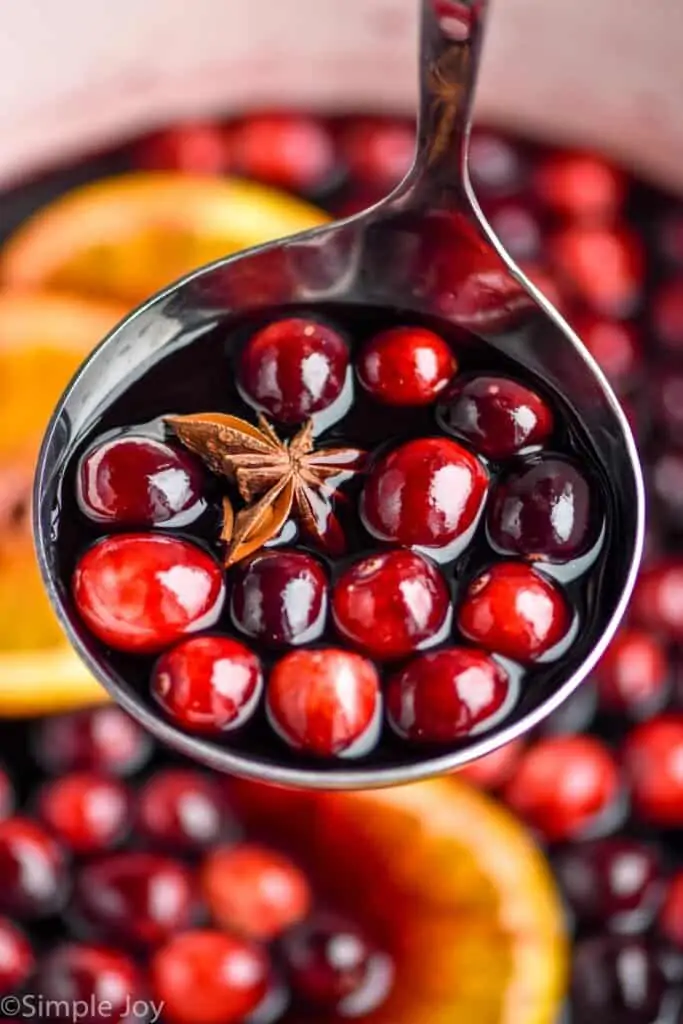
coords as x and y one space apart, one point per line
617 980
209 977
518 229
671 915
658 598
666 486
377 152
88 812
427 492
545 510
564 786
391 604
254 891
325 702
141 592
653 756
135 481
615 346
182 809
280 597
208 684
446 695
497 416
195 148
513 610
290 150
16 957
602 265
294 368
406 366
135 897
102 739
666 312
495 769
580 186
633 674
32 868
102 983
495 164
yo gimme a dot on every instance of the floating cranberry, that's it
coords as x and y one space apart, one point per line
102 984
517 227
671 914
325 702
666 315
427 492
391 604
653 756
446 695
495 769
564 786
208 684
102 739
633 675
280 597
32 868
88 812
544 510
209 977
141 592
254 891
290 150
496 415
603 266
513 610
615 346
194 147
658 598
181 809
617 980
378 152
580 186
496 165
294 368
406 366
16 957
136 481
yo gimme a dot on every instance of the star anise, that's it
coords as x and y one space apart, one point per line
274 478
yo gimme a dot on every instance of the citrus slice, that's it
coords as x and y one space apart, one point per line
126 237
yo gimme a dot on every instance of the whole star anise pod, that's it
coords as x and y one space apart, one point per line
274 478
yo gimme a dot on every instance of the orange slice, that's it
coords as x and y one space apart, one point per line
127 237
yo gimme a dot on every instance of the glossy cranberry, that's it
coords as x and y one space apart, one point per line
102 983
617 980
290 150
280 597
181 809
517 227
495 769
671 914
496 165
102 739
615 346
653 756
208 684
378 152
254 891
513 610
546 509
427 492
658 598
209 977
666 486
391 604
446 695
88 812
580 186
32 868
136 481
603 266
666 315
135 897
406 366
498 416
294 368
564 786
633 675
325 702
16 957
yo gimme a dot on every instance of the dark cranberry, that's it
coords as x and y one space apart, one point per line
182 809
545 510
378 152
495 769
671 914
665 403
209 977
517 228
102 739
391 604
617 980
406 366
32 868
666 315
102 983
564 786
603 266
658 598
443 696
280 597
254 891
580 186
88 812
325 702
653 756
294 368
16 957
427 492
495 164
666 486
633 675
513 610
208 684
194 147
614 345
496 415
290 150
135 481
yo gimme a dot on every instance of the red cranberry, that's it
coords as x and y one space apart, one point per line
427 492
666 312
614 345
135 897
496 415
293 368
135 481
209 977
102 739
513 610
195 148
603 266
325 702
495 769
580 186
495 164
141 592
671 915
517 228
182 809
208 684
666 486
658 598
617 980
633 674
88 812
32 868
544 510
564 786
280 597
290 150
254 891
102 983
406 366
16 957
391 604
653 756
378 152
443 696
